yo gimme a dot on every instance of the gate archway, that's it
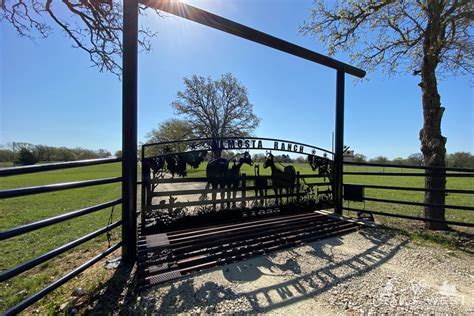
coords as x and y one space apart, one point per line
207 202
171 228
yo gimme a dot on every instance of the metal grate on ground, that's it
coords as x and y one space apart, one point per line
171 255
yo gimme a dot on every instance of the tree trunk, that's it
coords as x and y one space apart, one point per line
432 141
215 147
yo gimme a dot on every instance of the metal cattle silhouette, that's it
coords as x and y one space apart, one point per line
221 176
281 179
176 164
322 165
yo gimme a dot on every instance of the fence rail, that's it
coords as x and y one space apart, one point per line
386 187
407 174
40 294
210 191
454 207
242 189
5 194
411 217
23 229
204 179
54 220
13 171
370 164
451 172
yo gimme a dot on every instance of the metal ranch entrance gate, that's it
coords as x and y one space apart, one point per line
206 202
232 214
246 213
200 209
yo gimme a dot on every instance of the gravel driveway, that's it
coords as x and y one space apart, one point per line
369 271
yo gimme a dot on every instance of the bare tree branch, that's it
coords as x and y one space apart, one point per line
94 26
390 33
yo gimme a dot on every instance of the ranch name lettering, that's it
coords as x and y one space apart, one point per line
256 144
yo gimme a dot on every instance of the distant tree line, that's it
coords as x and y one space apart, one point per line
284 158
28 154
455 160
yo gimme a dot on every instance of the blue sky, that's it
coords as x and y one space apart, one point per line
50 94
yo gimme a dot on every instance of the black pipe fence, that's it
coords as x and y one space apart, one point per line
449 172
246 193
27 228
39 295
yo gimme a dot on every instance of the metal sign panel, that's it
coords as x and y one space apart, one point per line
208 180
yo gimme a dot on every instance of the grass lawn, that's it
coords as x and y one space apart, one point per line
23 210
413 196
405 181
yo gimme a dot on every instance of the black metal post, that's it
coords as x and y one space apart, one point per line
339 150
129 129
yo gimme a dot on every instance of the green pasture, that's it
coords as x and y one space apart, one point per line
23 210
27 209
386 180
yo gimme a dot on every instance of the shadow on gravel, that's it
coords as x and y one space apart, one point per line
112 296
184 296
247 272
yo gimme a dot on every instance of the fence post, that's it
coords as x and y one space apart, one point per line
244 189
339 140
145 191
297 187
129 130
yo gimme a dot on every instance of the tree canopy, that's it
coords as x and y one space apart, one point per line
392 33
170 130
216 108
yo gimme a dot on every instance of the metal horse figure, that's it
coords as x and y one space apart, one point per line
260 186
281 179
219 175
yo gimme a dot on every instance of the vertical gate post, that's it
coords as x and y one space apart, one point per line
339 148
297 186
129 129
244 190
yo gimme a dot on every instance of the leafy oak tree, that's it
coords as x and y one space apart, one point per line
216 108
94 26
427 38
169 130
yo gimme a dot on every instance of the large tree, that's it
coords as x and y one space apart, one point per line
94 26
169 130
216 108
426 38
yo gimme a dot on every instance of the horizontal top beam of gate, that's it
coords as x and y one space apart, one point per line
217 22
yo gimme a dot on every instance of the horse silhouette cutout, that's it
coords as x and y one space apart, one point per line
281 179
220 176
261 186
